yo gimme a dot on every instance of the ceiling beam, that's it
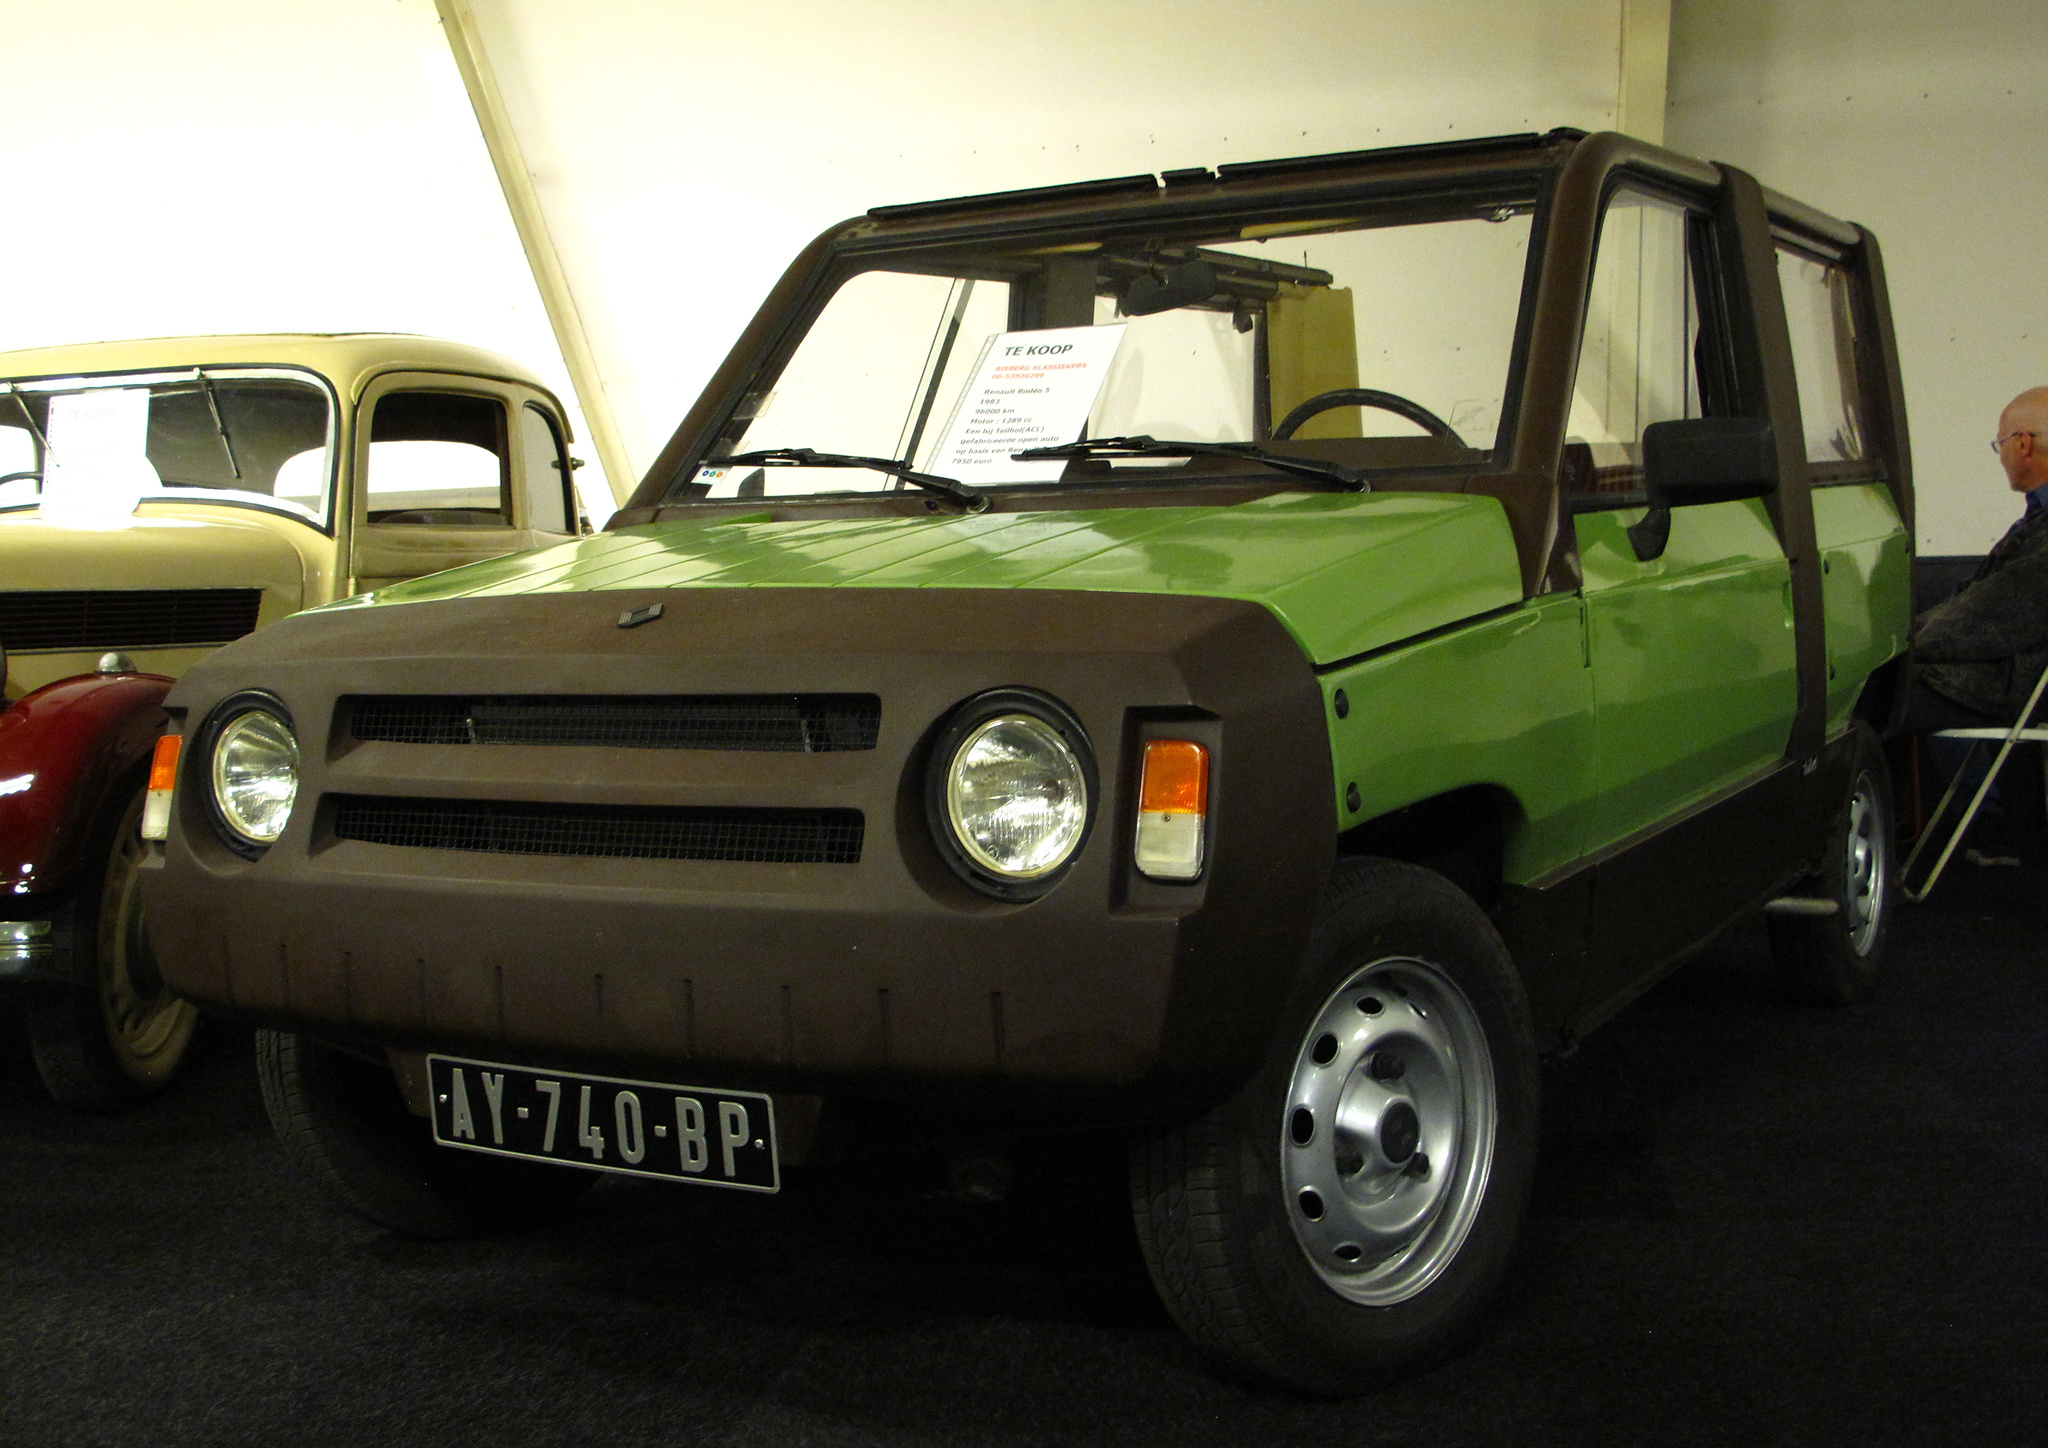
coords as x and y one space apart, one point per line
466 42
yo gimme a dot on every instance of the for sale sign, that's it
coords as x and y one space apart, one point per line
1029 389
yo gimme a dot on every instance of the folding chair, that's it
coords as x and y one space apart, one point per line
2019 733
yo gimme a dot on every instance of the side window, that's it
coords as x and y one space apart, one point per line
550 495
438 458
1822 320
19 464
1637 360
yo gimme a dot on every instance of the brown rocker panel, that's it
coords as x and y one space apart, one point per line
890 970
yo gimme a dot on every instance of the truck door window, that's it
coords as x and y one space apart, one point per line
19 463
1637 357
550 495
1821 318
438 459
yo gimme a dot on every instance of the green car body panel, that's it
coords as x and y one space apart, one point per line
1867 583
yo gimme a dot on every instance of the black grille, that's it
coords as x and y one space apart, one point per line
126 618
760 836
791 723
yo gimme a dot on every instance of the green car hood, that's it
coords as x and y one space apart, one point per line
1345 573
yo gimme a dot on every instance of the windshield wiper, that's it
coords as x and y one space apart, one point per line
1314 469
803 457
227 444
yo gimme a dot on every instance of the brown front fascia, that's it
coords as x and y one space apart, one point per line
882 975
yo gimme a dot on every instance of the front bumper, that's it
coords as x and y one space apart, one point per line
882 975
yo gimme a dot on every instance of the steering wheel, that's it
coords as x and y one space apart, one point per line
1392 402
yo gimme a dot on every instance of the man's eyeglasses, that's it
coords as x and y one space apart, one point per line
1998 443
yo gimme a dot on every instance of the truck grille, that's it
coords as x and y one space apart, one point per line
125 618
760 836
792 723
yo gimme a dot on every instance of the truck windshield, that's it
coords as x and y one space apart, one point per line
229 435
1377 342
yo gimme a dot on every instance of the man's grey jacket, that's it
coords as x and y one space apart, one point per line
1985 647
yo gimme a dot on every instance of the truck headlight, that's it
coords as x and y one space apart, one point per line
255 772
1013 791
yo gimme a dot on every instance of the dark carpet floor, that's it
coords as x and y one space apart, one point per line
1756 1224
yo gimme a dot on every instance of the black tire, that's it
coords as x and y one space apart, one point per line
343 1121
118 1041
1833 960
1400 959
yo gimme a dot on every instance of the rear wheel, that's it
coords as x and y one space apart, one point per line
342 1120
1345 1217
1834 959
117 1041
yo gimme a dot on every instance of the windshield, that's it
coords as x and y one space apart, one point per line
1381 342
227 435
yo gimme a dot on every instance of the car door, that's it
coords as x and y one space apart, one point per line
452 470
1691 647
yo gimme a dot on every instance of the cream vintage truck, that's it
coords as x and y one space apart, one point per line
158 499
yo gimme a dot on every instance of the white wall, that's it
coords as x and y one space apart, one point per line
683 150
252 166
220 165
1928 124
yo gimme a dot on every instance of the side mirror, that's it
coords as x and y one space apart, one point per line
1709 460
1694 460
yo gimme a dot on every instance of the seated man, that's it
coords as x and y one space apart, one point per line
1983 649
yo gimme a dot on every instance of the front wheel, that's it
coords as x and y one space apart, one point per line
1346 1216
116 1038
1833 959
342 1120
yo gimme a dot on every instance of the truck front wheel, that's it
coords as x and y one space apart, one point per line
1345 1217
116 1037
342 1120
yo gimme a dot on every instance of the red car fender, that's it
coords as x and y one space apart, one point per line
63 751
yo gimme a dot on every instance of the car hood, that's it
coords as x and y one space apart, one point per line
191 547
1345 574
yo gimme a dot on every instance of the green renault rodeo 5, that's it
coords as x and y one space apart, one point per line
1251 658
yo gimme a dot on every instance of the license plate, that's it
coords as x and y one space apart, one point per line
641 1128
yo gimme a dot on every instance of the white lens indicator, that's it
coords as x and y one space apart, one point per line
1017 797
256 775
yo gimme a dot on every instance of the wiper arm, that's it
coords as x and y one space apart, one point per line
1314 469
221 427
803 457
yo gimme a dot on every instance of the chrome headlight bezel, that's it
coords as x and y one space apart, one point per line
232 720
1044 720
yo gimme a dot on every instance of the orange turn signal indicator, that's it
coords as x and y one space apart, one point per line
163 778
1176 777
1173 807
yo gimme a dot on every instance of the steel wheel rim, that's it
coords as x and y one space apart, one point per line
1387 1137
1864 886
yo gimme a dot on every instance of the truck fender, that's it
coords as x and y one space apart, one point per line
64 751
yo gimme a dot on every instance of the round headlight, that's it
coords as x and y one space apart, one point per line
255 775
1016 796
